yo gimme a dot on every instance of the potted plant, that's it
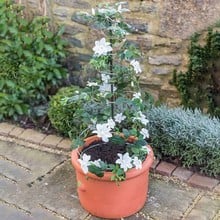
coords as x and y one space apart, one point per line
112 164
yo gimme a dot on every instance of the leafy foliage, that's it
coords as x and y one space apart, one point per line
62 114
199 86
29 61
189 135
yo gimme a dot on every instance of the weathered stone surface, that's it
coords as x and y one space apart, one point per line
165 59
165 168
60 12
180 19
182 173
51 141
11 213
36 161
65 144
138 26
73 3
160 70
77 17
75 42
73 29
167 201
206 208
32 136
145 43
16 132
13 171
5 128
203 181
60 184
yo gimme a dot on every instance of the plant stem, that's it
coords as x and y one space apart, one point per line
111 73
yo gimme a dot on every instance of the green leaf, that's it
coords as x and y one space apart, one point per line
116 139
96 170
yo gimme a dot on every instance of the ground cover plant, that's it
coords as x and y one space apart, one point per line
188 136
30 70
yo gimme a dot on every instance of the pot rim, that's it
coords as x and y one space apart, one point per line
107 174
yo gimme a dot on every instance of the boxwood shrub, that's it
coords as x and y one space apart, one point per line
189 135
61 112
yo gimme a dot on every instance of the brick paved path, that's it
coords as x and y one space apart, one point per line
39 185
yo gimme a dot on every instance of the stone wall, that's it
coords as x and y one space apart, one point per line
162 29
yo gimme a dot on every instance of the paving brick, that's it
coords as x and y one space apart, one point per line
16 132
51 141
202 181
217 189
5 128
206 209
65 144
165 168
155 164
182 173
32 136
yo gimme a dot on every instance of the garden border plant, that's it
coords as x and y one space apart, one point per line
30 67
189 136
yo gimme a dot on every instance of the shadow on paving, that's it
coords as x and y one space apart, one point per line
39 185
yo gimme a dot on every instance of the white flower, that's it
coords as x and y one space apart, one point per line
102 47
111 123
105 77
90 84
105 87
103 131
96 162
124 161
142 118
85 162
137 96
120 9
137 163
93 11
145 133
119 117
136 66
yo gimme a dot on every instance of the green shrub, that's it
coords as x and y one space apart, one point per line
29 60
188 135
62 113
199 86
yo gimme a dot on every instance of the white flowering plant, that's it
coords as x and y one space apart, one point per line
113 104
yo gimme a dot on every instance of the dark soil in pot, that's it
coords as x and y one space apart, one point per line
107 152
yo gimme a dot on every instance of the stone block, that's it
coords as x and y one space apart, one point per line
60 12
155 164
6 128
165 60
75 42
160 70
167 201
16 132
65 144
80 4
51 141
145 43
203 181
207 208
32 136
165 168
182 173
138 26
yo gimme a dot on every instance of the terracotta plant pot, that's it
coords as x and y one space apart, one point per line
104 198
